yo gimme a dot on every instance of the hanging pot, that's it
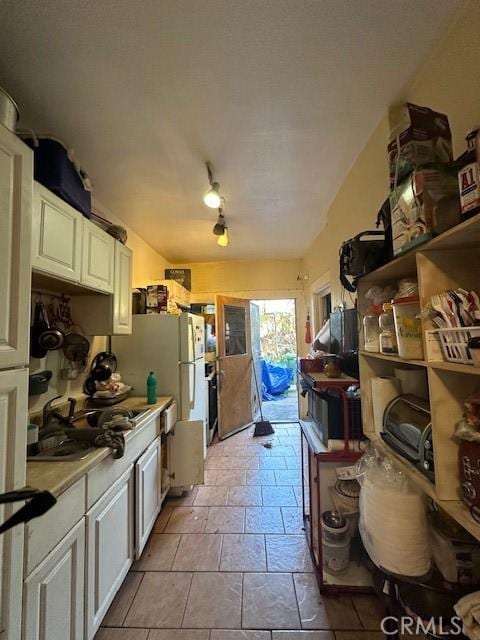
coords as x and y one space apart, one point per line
51 338
38 327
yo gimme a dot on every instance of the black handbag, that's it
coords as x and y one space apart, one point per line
360 255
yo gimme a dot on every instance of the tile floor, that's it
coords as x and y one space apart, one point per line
228 560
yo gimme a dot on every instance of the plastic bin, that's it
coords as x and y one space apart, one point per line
408 327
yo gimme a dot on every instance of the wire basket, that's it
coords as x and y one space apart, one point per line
454 343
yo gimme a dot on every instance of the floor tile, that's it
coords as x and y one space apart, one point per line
214 602
313 614
122 601
278 497
263 520
288 553
340 613
121 634
225 520
243 634
230 477
281 450
293 520
365 635
272 463
211 497
269 601
260 476
303 635
210 477
245 496
198 552
369 610
163 518
179 634
160 601
298 495
224 462
243 552
293 462
187 520
287 477
159 552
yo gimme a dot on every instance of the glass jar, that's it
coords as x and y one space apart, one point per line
371 329
388 337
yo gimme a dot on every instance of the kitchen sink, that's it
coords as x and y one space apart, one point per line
68 450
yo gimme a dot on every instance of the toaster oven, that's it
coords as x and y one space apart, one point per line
407 429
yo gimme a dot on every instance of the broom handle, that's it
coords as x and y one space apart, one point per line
258 391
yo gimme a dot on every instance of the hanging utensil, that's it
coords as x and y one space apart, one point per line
76 347
51 338
38 327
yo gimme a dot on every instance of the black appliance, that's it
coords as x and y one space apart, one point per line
407 429
344 339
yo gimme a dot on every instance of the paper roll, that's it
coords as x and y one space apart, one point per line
384 390
413 381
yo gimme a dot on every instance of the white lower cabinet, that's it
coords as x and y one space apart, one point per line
148 493
110 548
54 591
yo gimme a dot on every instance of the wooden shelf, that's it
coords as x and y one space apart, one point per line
456 368
392 358
455 508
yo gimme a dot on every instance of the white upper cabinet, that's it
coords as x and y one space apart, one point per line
56 235
122 294
16 179
98 258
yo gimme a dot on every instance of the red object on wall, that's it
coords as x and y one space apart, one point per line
308 330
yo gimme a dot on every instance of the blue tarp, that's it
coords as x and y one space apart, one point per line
276 379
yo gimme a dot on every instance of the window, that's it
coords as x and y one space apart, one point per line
235 331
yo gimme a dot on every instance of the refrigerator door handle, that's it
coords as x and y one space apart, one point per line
192 397
192 335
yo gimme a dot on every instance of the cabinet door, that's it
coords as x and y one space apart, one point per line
109 548
147 494
16 180
54 591
185 453
13 417
98 258
122 295
56 236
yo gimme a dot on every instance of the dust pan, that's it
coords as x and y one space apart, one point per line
262 427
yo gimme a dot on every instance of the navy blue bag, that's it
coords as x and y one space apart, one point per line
56 171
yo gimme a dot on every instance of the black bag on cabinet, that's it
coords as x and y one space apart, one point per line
360 255
56 169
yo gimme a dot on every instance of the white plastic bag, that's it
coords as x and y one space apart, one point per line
393 518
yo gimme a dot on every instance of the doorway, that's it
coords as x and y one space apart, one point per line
274 350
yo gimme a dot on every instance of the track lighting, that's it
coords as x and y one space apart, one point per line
223 239
219 227
212 198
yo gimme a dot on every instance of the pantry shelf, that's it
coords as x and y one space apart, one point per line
455 508
456 368
392 358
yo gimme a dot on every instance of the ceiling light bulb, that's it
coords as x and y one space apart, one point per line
212 197
223 239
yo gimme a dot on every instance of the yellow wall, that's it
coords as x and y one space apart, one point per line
446 81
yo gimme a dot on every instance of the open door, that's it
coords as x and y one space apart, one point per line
234 356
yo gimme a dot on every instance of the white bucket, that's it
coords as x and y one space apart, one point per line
408 327
336 555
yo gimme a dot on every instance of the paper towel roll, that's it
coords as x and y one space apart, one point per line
384 390
413 381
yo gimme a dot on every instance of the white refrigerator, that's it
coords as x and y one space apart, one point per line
173 347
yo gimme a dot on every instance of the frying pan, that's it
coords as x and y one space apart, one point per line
38 327
51 338
75 346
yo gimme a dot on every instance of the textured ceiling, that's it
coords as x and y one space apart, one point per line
280 95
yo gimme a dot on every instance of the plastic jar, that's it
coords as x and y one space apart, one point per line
388 337
408 327
371 329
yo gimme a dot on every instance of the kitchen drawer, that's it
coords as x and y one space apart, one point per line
101 477
169 417
42 534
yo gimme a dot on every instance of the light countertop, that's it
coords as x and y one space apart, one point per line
56 477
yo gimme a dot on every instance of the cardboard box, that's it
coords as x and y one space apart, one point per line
420 136
424 205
